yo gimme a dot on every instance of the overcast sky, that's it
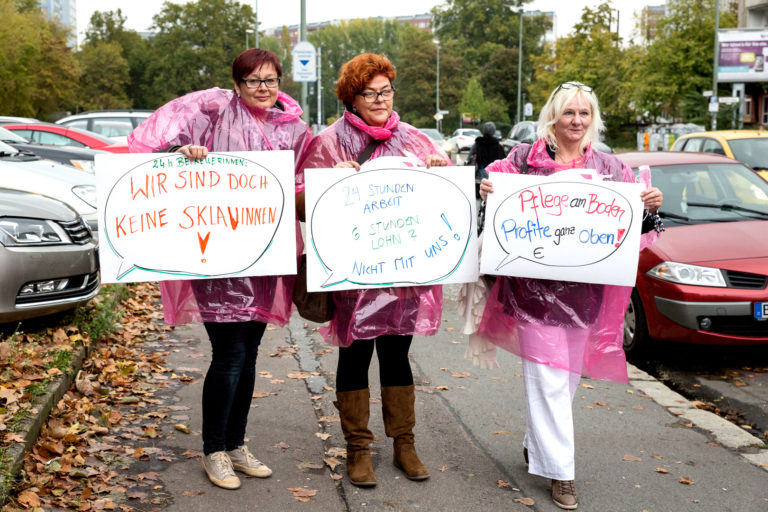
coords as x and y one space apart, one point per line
287 12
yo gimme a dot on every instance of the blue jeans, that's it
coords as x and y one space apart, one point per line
228 387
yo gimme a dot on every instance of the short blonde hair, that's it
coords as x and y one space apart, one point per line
556 105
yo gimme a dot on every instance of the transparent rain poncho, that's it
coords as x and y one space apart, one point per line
366 314
219 120
539 319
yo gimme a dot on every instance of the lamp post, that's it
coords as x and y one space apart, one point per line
247 31
519 66
713 109
438 115
256 23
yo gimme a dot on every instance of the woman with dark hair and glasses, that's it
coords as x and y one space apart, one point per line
562 329
253 116
384 318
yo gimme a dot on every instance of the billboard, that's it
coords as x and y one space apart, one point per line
742 56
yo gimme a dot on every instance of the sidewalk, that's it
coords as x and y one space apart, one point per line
640 446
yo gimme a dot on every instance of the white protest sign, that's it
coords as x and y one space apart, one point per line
164 217
390 225
563 227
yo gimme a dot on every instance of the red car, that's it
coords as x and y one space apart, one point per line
60 135
705 280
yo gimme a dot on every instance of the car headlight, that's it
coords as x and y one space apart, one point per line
683 273
84 165
19 232
87 193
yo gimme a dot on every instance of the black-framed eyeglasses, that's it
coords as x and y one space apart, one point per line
373 96
571 85
255 83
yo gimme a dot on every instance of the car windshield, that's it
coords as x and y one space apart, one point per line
8 136
753 152
95 135
471 133
705 193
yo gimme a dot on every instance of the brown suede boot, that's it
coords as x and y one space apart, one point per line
397 403
354 411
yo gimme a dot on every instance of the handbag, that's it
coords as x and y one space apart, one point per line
319 306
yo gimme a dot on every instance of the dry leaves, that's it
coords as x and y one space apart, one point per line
631 458
661 470
301 494
322 435
526 501
685 480
502 484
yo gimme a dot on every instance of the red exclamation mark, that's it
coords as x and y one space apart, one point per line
203 243
618 239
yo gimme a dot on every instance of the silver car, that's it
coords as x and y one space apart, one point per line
30 173
48 259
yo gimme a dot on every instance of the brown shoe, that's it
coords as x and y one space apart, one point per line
564 494
354 411
397 404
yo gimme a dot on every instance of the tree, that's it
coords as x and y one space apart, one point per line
105 77
194 46
473 102
678 61
37 69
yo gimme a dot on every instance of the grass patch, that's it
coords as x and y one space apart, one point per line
103 314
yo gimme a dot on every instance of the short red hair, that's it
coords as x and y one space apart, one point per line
251 60
357 73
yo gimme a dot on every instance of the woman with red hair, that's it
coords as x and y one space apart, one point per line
384 318
253 116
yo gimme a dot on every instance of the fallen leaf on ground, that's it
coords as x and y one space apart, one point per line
261 394
661 470
631 458
601 404
329 419
526 501
182 428
332 462
193 493
322 435
501 432
502 483
277 381
29 499
443 469
588 386
460 375
298 375
685 480
442 388
309 465
302 494
281 445
335 476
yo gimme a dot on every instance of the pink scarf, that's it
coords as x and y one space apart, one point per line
374 131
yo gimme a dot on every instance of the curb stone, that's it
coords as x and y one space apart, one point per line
726 433
41 408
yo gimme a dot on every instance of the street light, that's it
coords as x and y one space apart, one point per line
438 115
247 31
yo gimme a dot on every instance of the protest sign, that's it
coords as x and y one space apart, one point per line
563 227
164 217
390 225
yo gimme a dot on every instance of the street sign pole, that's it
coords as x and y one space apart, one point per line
303 37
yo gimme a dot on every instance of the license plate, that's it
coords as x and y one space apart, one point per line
761 310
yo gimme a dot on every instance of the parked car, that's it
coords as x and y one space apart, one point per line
80 158
525 132
24 171
705 280
437 138
462 139
115 124
60 135
48 259
18 120
747 146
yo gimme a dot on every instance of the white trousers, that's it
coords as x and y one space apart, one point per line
549 394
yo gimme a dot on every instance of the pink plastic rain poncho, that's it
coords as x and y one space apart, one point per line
366 314
533 317
219 120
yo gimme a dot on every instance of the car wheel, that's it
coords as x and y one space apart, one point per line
636 338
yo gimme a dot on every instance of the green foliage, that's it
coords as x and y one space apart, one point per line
474 103
37 69
61 360
106 75
102 315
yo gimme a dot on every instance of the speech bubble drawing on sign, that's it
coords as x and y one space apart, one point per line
388 227
173 217
563 228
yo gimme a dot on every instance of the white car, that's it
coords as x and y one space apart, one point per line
114 124
30 173
463 138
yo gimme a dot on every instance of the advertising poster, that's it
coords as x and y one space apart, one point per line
742 56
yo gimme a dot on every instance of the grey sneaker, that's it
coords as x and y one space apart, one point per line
218 467
564 494
244 461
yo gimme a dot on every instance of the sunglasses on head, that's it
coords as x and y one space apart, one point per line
571 85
